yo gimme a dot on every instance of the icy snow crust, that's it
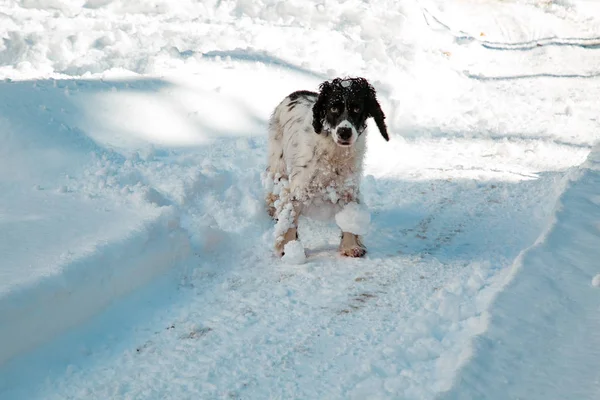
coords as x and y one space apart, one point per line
136 252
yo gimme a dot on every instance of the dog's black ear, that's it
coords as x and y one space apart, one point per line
319 109
374 110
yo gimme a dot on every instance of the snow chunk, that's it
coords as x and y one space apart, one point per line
294 253
596 281
353 218
346 83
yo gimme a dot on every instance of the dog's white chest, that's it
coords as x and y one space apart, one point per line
327 188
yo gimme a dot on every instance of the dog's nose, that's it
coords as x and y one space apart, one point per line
344 133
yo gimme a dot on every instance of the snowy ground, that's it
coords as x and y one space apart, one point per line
136 252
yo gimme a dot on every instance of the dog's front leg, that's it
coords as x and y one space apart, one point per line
351 244
286 228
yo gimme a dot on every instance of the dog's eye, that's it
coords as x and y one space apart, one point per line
334 109
356 110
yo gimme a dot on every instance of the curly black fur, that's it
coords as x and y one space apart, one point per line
351 98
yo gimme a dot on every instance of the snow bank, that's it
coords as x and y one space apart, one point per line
543 336
36 310
79 224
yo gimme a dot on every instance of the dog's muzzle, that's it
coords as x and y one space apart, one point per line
345 134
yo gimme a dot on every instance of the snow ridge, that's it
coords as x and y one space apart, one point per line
555 331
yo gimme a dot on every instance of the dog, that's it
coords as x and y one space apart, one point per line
316 152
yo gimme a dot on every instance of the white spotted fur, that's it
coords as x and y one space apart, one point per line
320 176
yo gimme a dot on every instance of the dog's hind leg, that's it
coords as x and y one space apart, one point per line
276 169
286 228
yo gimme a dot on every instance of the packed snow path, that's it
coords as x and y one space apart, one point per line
492 106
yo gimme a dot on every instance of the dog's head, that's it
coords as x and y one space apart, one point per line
343 107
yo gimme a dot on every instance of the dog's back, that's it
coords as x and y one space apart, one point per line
288 118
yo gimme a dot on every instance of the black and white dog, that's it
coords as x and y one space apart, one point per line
316 152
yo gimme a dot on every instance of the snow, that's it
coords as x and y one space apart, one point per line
294 252
353 218
137 257
547 311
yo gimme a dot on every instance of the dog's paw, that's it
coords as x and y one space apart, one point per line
282 241
356 251
278 249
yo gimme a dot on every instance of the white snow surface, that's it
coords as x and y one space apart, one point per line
136 255
353 218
